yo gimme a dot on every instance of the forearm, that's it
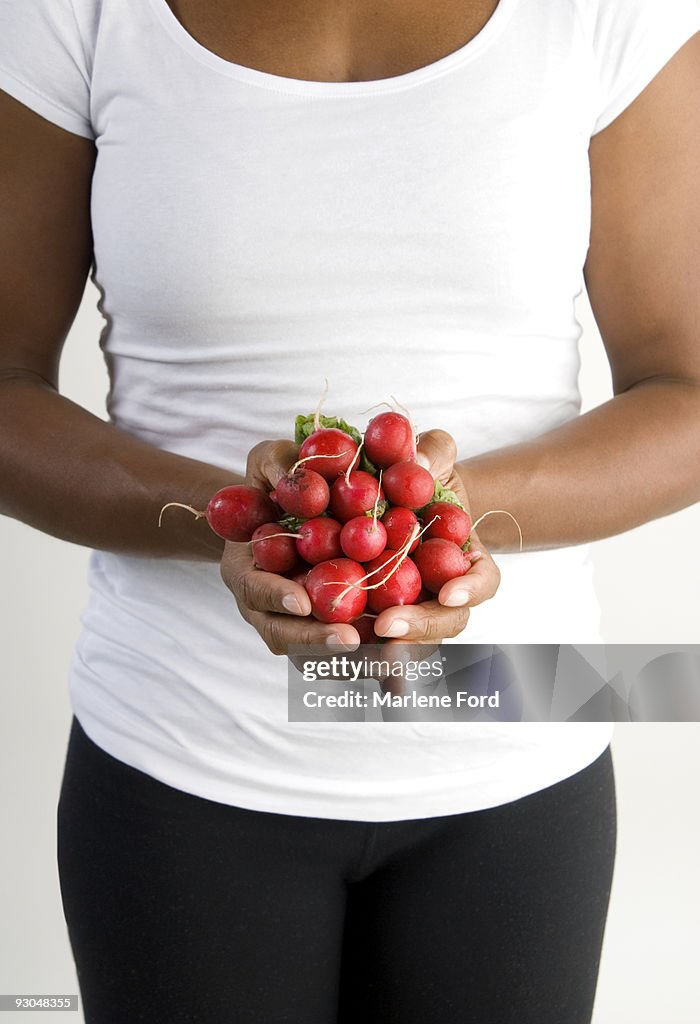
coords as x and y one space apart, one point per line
74 476
630 460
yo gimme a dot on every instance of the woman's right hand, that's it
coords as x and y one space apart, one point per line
279 609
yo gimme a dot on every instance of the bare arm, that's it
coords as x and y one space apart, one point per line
636 457
63 470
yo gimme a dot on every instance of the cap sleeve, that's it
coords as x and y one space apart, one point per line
44 63
632 40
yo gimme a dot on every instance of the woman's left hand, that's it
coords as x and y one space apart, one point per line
448 613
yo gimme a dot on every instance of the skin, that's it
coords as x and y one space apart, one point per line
70 474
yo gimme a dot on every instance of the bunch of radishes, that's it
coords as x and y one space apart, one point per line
356 521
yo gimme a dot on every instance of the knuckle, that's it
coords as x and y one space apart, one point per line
272 635
256 456
458 623
428 627
245 590
446 442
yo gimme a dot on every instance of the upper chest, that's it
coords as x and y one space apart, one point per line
333 40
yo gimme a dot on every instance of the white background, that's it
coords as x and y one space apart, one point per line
648 585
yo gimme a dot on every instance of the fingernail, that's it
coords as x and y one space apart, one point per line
334 641
291 604
473 555
458 598
399 627
423 460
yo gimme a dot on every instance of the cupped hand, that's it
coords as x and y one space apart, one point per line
448 613
278 608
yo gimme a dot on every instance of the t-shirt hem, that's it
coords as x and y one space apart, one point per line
200 774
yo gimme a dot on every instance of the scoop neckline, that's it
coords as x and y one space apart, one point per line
280 83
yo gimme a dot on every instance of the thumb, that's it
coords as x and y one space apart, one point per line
269 461
437 452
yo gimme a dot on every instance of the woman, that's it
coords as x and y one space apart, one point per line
404 200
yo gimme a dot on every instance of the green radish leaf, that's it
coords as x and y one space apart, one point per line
291 523
441 493
382 507
304 426
467 545
366 465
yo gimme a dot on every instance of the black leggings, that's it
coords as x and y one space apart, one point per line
184 909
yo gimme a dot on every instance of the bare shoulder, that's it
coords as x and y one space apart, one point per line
643 262
45 185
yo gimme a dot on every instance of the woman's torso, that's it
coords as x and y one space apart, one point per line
420 234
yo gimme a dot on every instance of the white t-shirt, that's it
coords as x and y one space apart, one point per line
422 235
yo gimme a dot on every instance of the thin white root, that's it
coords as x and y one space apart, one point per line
414 432
376 504
503 512
334 455
317 414
256 540
378 406
399 556
178 504
357 455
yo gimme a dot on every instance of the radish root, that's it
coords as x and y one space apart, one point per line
378 406
317 414
178 504
357 455
256 540
376 504
399 556
503 512
333 455
414 432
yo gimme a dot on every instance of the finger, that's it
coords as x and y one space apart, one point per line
258 590
280 631
437 452
269 461
479 583
425 622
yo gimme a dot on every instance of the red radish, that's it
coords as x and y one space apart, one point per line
363 538
439 561
354 494
299 574
389 438
402 587
365 627
336 448
454 524
273 549
324 584
303 493
234 512
319 539
399 523
408 484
